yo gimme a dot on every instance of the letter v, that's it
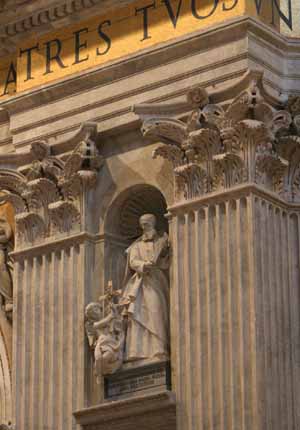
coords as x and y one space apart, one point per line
173 17
258 4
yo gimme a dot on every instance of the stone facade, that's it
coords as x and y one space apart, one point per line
203 132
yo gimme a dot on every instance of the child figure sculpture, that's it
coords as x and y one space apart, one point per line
105 335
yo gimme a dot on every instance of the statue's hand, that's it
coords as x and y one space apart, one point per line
148 266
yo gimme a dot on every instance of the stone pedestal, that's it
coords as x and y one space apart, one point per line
137 381
156 411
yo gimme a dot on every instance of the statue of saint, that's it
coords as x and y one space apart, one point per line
6 291
145 298
136 328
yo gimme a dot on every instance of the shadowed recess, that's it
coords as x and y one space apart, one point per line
123 217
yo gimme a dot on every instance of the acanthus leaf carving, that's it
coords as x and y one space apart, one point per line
44 165
40 193
30 228
191 180
270 171
64 217
252 140
171 153
71 187
293 105
288 147
18 203
48 193
248 136
229 171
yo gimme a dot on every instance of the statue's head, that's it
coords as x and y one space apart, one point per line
93 311
148 222
5 230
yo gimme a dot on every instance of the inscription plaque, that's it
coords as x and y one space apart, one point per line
126 383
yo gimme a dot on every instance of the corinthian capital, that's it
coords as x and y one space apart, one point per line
48 193
252 140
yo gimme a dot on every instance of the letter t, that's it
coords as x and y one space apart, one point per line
144 10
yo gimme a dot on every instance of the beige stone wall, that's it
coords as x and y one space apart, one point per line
57 274
237 314
295 32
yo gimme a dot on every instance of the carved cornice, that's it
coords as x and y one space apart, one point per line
47 15
56 244
255 139
22 17
238 192
130 413
47 195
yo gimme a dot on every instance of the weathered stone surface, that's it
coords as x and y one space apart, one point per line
138 380
21 17
147 412
6 398
235 259
234 248
56 111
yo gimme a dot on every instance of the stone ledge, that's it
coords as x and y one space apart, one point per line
147 412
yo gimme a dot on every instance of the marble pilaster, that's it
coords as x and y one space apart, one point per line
235 238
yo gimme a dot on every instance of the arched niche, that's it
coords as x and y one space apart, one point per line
121 225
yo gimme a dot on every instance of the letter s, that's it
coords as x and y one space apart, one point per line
104 36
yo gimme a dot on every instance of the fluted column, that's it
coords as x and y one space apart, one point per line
236 322
235 224
54 270
5 366
50 360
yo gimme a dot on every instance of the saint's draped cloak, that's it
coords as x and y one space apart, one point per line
148 294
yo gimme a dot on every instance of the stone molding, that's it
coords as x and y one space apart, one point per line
234 193
53 13
110 107
210 37
56 244
44 16
26 16
126 414
47 194
254 139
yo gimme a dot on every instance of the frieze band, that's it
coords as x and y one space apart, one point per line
97 41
